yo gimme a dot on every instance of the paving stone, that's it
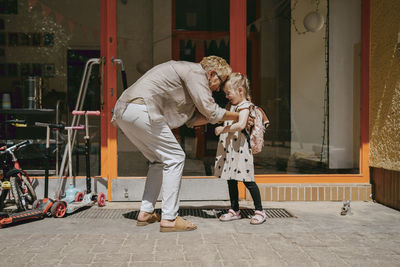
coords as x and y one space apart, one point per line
367 262
201 253
347 252
169 255
267 262
144 264
190 238
308 242
236 263
292 257
76 248
139 242
232 252
324 256
72 265
78 259
21 259
106 248
142 257
166 247
263 253
87 241
285 245
217 238
103 258
175 264
144 248
207 264
45 258
111 264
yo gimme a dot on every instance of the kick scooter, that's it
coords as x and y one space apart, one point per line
46 206
74 198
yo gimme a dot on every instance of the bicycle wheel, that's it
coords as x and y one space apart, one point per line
3 197
27 188
22 190
19 197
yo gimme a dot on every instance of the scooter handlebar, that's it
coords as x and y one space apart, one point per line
75 127
88 112
59 126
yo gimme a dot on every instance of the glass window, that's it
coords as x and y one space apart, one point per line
43 48
206 15
201 29
304 68
303 62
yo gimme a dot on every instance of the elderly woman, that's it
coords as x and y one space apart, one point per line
166 97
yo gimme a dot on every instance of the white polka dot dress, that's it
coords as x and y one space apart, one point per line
234 160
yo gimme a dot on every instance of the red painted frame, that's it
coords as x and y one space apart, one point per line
108 51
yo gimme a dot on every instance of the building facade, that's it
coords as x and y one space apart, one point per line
317 67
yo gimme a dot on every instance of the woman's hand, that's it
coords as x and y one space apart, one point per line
218 130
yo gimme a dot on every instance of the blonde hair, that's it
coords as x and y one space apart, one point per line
237 80
217 64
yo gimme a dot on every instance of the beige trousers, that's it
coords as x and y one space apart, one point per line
158 144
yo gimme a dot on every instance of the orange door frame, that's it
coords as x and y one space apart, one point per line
108 51
238 47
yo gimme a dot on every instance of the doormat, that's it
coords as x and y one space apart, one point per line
207 213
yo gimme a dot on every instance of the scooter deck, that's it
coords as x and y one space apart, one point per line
40 212
21 216
74 206
87 201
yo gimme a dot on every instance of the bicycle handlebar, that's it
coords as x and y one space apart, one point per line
17 146
15 121
88 112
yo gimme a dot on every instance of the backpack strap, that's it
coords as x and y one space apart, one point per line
265 117
247 135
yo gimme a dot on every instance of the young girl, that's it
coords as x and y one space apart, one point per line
234 161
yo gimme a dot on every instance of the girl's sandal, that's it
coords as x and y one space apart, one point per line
259 217
154 217
230 216
181 225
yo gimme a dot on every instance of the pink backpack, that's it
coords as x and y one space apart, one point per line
261 122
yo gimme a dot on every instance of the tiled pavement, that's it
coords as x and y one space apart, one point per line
319 236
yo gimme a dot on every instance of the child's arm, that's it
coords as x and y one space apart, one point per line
237 126
229 115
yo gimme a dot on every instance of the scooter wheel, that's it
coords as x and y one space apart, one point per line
58 209
79 197
101 200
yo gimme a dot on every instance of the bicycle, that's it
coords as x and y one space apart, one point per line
20 184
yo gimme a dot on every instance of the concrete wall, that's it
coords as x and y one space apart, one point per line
384 116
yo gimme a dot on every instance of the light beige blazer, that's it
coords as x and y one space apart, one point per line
174 91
